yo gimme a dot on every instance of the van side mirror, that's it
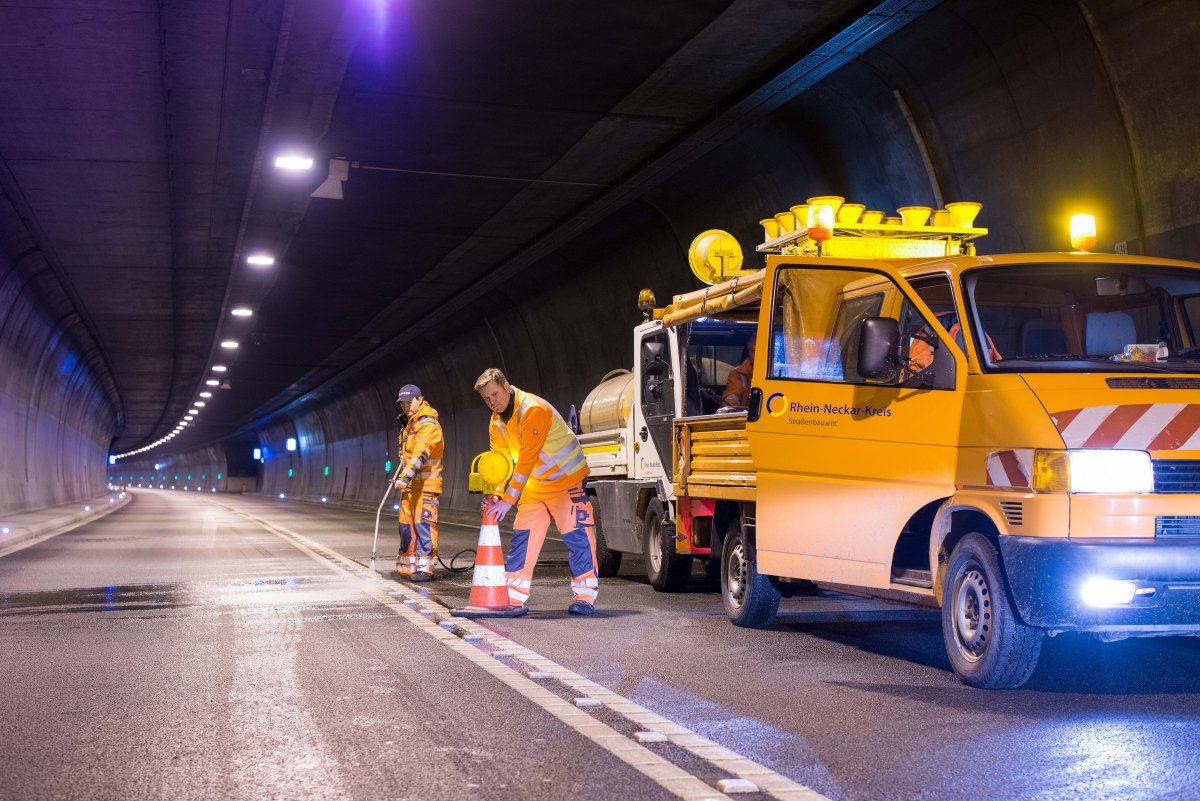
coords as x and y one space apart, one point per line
879 349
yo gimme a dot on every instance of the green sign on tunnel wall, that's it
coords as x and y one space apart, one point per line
291 472
388 467
326 469
218 476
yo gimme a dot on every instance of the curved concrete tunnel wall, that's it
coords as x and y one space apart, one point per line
1034 109
56 420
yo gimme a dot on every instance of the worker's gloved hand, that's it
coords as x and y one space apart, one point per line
499 510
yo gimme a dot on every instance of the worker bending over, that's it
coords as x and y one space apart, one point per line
737 385
420 484
547 483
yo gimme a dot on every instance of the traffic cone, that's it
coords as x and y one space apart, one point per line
489 587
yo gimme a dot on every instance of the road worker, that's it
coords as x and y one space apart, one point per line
420 484
547 483
737 385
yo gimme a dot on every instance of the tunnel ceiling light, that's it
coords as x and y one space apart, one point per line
229 344
219 368
199 404
212 382
260 259
293 161
206 394
242 311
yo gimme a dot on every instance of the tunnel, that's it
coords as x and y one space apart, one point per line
503 204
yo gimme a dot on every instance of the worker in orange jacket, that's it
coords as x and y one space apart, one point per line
547 483
737 385
420 484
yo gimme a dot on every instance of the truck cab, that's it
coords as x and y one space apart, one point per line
627 425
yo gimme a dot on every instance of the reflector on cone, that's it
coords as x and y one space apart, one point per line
489 586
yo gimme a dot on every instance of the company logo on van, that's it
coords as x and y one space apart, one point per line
777 404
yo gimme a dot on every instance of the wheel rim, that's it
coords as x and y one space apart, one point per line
655 542
735 574
972 608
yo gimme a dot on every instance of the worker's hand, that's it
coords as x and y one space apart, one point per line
401 484
498 510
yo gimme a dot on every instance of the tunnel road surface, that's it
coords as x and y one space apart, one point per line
219 647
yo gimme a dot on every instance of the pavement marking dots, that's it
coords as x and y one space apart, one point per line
465 636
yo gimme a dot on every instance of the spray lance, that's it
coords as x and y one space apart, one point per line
379 512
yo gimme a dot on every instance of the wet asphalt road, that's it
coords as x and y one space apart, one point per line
177 649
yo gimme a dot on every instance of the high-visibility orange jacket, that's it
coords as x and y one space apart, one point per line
737 385
546 452
421 448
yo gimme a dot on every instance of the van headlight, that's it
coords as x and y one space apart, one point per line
1093 471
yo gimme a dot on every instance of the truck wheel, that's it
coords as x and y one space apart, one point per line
988 646
750 599
608 561
668 571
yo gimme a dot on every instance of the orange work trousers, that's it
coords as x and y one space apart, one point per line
418 533
571 511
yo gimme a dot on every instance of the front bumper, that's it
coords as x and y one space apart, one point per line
1046 577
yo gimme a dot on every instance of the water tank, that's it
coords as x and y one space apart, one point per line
608 405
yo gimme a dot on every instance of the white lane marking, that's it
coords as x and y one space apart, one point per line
278 742
415 609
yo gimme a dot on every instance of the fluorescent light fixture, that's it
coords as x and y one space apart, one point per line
1107 592
1106 471
229 344
193 410
219 368
206 394
291 443
112 460
293 161
188 418
260 259
212 382
257 454
242 311
199 404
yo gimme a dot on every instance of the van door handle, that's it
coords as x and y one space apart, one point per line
644 434
754 405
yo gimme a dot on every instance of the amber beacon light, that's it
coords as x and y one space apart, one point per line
1083 232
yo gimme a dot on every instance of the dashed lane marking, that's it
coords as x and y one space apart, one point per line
465 638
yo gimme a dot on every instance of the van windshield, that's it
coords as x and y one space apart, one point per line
1086 317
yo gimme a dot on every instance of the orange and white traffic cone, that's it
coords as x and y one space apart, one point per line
489 586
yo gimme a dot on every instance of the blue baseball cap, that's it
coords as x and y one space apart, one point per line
408 392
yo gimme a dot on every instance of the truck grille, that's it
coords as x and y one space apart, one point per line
1177 476
1177 526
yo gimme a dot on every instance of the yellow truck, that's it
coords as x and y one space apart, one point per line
1014 439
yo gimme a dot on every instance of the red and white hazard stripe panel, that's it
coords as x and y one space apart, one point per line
1141 426
1010 468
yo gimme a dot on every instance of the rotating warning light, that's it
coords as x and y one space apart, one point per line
1083 232
820 222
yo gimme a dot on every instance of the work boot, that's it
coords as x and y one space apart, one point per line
581 608
420 577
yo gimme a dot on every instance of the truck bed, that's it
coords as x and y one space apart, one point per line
712 458
607 452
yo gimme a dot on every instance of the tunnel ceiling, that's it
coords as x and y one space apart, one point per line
138 140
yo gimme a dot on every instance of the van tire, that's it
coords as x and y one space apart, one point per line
608 561
668 571
750 599
988 645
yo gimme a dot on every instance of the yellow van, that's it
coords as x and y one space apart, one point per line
1014 439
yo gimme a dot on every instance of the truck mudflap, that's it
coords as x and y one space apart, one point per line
1047 578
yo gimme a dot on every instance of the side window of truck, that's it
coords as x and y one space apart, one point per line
817 320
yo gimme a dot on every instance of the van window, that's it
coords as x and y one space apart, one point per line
817 317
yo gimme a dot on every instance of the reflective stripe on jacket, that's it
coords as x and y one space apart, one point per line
421 449
546 452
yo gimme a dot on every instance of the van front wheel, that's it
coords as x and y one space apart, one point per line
750 599
988 646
